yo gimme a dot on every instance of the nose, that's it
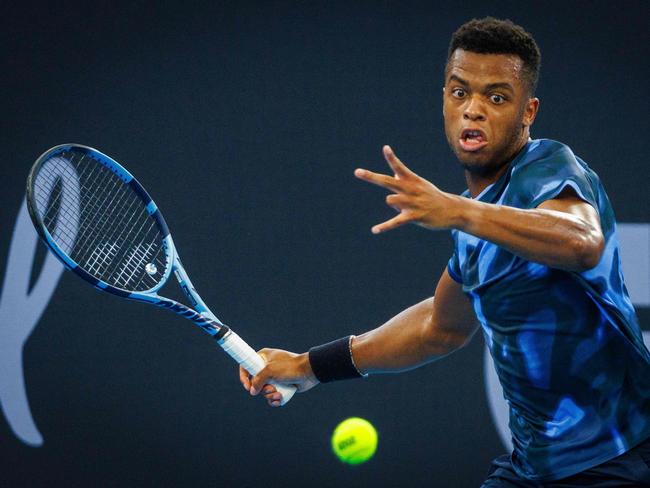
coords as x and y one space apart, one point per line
474 109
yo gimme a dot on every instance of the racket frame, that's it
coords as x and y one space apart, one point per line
202 317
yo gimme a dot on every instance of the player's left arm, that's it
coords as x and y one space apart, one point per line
563 232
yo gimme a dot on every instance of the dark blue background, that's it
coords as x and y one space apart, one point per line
245 121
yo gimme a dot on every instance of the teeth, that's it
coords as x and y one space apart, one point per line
472 134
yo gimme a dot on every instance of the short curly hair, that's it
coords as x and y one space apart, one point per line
495 36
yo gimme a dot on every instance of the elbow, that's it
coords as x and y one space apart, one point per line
587 251
442 339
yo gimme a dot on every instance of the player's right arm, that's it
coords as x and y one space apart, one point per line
418 335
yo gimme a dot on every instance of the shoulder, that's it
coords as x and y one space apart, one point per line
543 156
546 168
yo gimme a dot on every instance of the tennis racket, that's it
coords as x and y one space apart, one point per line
104 227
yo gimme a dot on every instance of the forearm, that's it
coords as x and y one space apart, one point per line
557 239
418 335
406 341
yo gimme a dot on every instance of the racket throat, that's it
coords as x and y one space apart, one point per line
222 333
210 326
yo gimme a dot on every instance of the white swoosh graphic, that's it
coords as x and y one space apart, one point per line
20 311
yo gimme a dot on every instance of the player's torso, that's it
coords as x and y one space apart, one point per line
566 364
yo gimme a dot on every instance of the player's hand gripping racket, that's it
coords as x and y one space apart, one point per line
102 224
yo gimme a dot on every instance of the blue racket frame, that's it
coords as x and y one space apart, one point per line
202 316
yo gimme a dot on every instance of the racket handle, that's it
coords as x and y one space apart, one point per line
252 362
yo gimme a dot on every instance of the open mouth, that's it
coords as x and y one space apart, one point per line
472 140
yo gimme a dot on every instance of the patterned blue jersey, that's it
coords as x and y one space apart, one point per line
567 346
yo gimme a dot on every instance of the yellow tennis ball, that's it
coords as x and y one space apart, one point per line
354 440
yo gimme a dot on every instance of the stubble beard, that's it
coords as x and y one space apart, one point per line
502 156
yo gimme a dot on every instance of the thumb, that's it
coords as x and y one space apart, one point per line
259 380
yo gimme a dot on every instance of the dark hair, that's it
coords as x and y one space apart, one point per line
495 36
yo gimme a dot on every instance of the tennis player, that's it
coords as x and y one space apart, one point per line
535 264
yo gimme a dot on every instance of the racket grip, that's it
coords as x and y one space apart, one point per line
252 362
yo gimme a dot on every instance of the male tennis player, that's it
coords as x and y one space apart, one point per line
535 263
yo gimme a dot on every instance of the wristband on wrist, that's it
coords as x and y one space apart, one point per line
333 361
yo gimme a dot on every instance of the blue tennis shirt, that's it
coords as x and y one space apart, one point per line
567 346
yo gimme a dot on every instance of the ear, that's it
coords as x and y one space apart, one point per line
530 111
443 101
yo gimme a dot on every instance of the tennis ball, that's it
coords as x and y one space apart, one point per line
354 440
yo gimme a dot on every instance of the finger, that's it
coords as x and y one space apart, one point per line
244 378
268 390
262 354
259 380
395 164
394 201
273 396
393 223
274 403
255 387
384 181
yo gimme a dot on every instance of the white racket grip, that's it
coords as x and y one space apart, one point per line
252 362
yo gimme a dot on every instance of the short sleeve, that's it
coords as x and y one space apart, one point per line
544 179
453 270
453 266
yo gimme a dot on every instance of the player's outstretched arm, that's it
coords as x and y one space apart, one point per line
420 334
562 233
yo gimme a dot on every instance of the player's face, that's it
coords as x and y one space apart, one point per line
487 109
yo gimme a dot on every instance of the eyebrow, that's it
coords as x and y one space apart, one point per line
489 87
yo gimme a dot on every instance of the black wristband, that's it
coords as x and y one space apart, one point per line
333 361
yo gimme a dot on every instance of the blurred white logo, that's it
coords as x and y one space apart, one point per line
21 308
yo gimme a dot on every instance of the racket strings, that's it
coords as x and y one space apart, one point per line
71 204
100 222
57 207
71 207
103 218
105 254
74 203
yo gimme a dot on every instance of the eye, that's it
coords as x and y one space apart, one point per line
458 92
497 99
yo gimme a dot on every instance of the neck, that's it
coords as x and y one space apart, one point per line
477 182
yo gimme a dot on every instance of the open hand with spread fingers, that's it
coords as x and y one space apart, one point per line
417 200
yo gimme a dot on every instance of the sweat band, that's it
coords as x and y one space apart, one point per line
333 361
